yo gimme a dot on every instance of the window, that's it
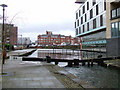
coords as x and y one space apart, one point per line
83 28
101 20
85 18
115 32
79 13
118 12
94 23
81 20
91 13
119 26
79 30
83 9
94 2
104 4
88 26
87 5
76 31
119 30
77 22
116 29
76 15
97 10
113 13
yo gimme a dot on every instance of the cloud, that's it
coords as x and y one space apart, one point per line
36 16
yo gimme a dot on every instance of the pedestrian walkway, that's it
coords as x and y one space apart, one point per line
28 75
19 52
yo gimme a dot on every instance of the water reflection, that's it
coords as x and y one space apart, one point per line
59 54
66 54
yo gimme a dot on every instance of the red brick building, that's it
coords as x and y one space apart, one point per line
11 33
55 39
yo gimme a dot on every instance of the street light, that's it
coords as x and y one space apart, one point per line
3 39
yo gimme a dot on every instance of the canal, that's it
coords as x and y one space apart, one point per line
97 76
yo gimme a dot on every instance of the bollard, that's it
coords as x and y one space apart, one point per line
69 64
48 59
76 61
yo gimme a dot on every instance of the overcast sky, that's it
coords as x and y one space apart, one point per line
34 17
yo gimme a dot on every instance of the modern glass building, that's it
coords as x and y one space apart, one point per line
90 23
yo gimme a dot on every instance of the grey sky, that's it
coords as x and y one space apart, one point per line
34 17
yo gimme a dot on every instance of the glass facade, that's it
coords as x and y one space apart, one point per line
115 29
94 37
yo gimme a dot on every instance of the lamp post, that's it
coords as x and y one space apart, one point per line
3 39
21 40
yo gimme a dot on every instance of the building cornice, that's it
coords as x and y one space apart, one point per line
80 1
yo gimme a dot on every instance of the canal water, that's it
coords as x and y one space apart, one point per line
97 76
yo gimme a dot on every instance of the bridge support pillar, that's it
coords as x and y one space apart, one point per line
83 63
56 62
48 59
69 64
91 63
88 63
100 62
76 61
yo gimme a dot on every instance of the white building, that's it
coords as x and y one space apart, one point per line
24 41
90 23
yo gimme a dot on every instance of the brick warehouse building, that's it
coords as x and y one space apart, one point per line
55 39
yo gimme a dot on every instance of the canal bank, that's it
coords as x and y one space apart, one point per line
113 63
66 78
24 52
21 74
98 76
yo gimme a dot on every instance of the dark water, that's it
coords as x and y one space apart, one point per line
97 76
